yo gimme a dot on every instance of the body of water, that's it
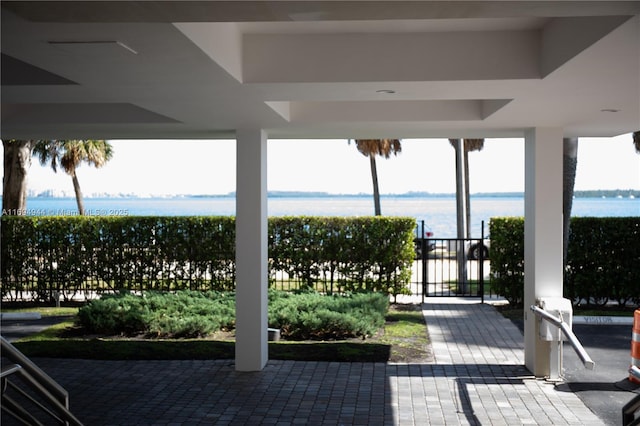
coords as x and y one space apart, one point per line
439 213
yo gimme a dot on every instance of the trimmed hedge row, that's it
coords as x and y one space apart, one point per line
366 253
43 255
603 259
507 257
47 254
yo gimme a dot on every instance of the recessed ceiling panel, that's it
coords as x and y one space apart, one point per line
387 111
439 56
19 73
80 113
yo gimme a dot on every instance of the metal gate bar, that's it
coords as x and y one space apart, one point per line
446 267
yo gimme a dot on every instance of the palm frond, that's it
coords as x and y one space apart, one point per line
69 154
469 144
48 151
381 147
473 144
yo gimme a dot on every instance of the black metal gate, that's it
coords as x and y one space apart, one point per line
450 266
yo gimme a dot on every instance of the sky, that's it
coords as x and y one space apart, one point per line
162 167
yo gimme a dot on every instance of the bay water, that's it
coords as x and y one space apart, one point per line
438 212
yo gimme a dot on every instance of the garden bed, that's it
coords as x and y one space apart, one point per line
400 337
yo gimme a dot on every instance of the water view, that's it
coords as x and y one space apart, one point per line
439 213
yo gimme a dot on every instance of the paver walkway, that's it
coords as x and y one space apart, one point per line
481 354
477 378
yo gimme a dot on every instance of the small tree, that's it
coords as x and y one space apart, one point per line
69 154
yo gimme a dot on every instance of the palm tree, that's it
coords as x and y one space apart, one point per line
469 146
463 213
69 154
384 148
636 141
569 167
17 161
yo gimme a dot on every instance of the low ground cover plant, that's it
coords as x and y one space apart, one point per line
300 316
181 314
313 316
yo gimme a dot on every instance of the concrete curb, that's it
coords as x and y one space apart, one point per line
20 316
598 320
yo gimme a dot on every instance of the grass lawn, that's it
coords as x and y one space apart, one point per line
47 311
403 338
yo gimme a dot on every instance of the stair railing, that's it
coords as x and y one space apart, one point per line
42 384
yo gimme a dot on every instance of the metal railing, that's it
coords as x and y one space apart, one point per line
450 266
566 330
54 399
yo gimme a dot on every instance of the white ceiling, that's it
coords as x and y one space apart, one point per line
318 69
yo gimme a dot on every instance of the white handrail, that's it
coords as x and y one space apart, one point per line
40 381
10 351
575 343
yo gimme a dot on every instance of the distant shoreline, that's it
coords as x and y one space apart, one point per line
618 193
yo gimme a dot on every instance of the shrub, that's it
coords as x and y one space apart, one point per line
183 314
115 314
40 255
301 316
602 259
310 315
507 258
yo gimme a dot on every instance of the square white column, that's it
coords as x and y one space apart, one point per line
542 235
251 250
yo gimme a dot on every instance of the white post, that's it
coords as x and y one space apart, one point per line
542 235
251 250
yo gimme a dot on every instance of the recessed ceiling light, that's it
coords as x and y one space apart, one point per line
609 110
386 91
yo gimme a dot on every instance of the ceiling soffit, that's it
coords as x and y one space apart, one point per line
275 56
304 10
15 72
298 63
390 57
81 113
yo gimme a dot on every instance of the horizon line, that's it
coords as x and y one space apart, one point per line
281 194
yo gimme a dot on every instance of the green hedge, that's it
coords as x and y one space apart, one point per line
507 257
367 253
603 260
42 255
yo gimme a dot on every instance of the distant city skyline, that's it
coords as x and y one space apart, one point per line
198 167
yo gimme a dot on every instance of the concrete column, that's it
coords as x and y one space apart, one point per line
542 235
251 250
